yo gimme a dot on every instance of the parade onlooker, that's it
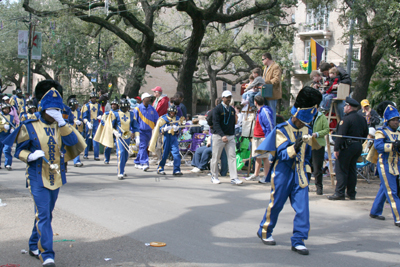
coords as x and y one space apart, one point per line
202 156
316 78
348 150
224 120
239 123
272 75
175 101
161 101
253 88
331 88
195 129
181 105
370 115
264 125
320 128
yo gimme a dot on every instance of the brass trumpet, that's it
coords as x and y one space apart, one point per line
125 135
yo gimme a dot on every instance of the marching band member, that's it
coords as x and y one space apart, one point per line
13 111
52 138
387 146
124 124
18 101
114 108
290 170
5 130
91 114
76 117
147 116
168 125
30 114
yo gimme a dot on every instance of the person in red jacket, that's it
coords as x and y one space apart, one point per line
161 102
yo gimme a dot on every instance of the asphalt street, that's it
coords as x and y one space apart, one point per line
98 217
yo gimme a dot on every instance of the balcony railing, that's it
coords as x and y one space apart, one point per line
314 30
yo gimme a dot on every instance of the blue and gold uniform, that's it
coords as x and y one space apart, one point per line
56 141
124 122
29 114
18 101
168 121
74 119
147 118
90 113
388 165
5 118
291 169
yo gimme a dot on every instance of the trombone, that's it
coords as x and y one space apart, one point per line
125 135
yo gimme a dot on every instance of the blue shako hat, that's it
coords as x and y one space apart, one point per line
52 99
306 104
387 111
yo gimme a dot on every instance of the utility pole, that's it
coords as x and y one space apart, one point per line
28 83
350 51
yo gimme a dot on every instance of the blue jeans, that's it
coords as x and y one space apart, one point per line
203 155
272 105
250 97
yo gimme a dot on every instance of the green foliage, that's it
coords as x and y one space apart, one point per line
381 90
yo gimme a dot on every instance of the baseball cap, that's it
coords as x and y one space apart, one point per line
226 93
364 103
5 97
156 89
145 95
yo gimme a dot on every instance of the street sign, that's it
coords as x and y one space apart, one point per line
23 45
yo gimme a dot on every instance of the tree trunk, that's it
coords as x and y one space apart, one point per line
189 62
370 56
212 75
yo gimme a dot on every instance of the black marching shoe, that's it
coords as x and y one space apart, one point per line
378 217
302 251
336 197
351 198
34 254
269 241
319 191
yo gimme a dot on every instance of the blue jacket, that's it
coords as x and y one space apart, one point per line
146 117
387 156
266 119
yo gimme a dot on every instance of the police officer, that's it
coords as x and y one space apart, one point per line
348 150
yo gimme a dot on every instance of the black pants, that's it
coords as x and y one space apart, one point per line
346 169
317 163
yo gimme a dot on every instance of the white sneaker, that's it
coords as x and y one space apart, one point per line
236 181
146 167
196 170
153 161
252 178
215 180
48 262
120 177
261 180
8 167
170 164
137 166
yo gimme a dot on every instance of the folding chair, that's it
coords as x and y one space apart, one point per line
190 146
363 168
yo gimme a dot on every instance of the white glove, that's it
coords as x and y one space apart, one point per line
78 122
137 140
12 130
116 133
89 125
57 116
167 128
99 117
176 128
35 155
7 127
